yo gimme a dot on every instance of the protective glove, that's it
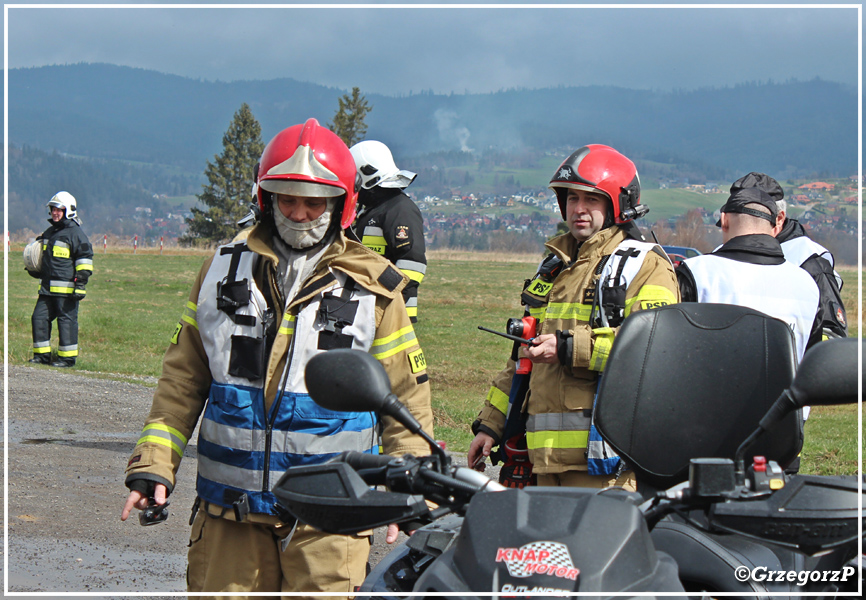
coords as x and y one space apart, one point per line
78 293
516 471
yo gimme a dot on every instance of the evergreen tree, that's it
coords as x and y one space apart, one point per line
349 119
230 178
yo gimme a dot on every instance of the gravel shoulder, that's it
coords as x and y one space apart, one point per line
68 439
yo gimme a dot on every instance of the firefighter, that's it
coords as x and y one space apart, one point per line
390 223
597 274
67 263
259 310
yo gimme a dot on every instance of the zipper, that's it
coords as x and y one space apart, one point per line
271 418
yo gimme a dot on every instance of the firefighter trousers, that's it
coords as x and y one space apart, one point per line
227 556
65 310
584 479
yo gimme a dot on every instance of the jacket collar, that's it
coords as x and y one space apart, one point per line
757 248
566 247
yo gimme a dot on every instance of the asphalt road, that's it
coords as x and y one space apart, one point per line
69 437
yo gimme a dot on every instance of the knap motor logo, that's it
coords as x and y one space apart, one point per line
542 558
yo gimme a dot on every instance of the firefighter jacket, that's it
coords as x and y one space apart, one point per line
560 398
67 260
818 262
393 227
247 385
751 270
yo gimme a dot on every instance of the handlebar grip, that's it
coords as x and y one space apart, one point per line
361 460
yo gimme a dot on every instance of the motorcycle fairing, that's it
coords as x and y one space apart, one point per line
606 539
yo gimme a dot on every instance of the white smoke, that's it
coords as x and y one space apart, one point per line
449 130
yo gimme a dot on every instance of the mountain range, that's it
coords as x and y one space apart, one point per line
109 112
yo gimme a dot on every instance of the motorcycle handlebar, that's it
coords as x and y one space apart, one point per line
361 460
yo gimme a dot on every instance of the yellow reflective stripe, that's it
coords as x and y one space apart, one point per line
568 310
556 439
412 311
164 436
538 313
413 275
60 290
162 442
650 296
41 350
67 353
190 312
84 267
394 343
81 292
498 399
601 349
167 429
287 327
376 243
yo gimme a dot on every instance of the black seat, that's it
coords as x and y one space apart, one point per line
692 380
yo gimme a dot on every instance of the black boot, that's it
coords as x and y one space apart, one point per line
40 359
64 363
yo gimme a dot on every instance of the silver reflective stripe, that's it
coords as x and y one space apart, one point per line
411 265
412 302
41 344
305 443
285 442
558 422
61 284
83 261
369 230
245 479
67 348
61 245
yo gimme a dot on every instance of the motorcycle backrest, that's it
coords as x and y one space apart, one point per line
693 380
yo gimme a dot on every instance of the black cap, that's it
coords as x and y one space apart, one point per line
751 195
760 181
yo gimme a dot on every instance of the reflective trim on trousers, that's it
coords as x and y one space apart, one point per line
67 351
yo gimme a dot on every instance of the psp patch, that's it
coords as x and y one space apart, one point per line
402 232
417 362
646 304
176 333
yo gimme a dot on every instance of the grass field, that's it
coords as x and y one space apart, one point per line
135 300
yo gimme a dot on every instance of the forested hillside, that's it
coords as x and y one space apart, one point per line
107 192
97 110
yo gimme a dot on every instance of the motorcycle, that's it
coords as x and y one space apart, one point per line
697 535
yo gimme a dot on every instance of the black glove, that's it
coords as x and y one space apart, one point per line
516 471
78 293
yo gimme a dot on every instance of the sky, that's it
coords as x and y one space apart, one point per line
455 48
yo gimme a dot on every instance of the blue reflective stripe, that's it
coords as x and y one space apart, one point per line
232 441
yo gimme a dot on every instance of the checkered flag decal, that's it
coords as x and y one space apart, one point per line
559 556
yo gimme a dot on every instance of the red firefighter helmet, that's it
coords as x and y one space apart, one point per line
309 160
598 168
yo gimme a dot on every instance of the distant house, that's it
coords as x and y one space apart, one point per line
817 185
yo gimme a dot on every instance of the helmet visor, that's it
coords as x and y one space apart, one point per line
307 189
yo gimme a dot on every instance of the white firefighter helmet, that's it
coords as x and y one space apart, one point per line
33 257
376 166
66 201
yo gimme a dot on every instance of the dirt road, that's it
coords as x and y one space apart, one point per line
69 437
